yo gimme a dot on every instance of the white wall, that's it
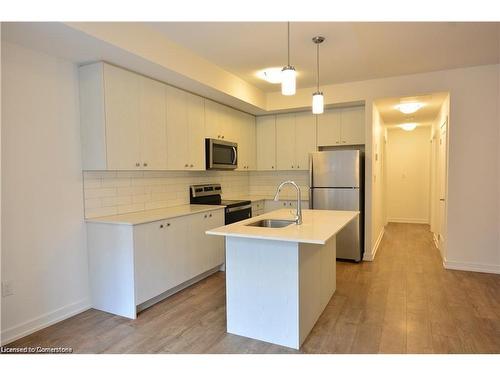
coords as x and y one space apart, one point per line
43 243
377 223
408 175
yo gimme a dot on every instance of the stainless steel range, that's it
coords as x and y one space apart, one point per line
236 210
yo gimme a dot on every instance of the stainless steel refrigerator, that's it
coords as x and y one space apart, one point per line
336 183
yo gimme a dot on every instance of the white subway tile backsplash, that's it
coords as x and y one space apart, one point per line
109 193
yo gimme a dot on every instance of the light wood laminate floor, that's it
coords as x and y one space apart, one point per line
403 302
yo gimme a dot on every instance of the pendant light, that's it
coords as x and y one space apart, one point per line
317 102
288 73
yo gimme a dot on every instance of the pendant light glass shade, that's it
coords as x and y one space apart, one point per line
318 103
288 85
318 100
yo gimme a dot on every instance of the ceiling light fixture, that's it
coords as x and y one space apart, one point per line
288 73
408 126
271 75
318 100
409 107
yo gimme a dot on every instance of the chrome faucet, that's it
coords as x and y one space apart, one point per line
298 213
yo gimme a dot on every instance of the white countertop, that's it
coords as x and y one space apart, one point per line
149 216
318 226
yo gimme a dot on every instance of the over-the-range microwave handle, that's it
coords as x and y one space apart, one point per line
235 158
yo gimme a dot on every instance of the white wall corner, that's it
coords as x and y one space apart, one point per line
43 321
371 255
473 267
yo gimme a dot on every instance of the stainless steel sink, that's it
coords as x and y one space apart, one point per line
271 223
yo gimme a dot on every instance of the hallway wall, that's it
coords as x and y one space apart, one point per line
408 175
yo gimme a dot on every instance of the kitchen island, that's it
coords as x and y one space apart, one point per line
279 279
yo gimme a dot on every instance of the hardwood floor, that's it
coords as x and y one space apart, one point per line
403 302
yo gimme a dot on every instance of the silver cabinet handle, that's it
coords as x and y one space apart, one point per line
161 226
337 142
218 136
186 165
292 166
210 215
168 224
191 166
145 164
137 164
222 137
343 141
205 216
272 166
298 166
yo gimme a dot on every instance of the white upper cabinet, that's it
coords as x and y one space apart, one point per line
185 130
285 141
305 138
342 127
245 137
219 121
329 128
123 119
295 139
353 125
266 143
153 116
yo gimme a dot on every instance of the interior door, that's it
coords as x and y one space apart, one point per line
442 172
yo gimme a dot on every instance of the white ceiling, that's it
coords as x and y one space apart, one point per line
424 116
352 51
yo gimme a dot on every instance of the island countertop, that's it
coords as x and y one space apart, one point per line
317 227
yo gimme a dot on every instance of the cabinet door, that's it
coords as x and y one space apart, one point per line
123 135
305 139
214 245
266 143
153 124
353 126
196 134
241 139
196 249
150 260
251 142
213 118
177 258
329 128
285 141
177 129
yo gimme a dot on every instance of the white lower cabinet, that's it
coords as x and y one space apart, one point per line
134 264
258 208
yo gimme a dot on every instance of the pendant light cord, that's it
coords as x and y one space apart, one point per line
317 65
288 33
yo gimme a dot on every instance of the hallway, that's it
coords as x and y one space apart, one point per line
403 302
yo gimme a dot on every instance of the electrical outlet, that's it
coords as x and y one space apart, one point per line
7 288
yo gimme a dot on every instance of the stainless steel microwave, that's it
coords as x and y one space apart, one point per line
221 154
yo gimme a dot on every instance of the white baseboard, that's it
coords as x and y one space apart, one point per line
474 267
43 321
407 220
371 256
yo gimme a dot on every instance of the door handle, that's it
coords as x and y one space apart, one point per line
235 156
441 199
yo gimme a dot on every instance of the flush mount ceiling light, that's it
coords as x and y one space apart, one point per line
271 75
288 74
408 126
318 101
409 107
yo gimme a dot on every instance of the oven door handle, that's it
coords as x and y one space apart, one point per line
235 158
240 208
